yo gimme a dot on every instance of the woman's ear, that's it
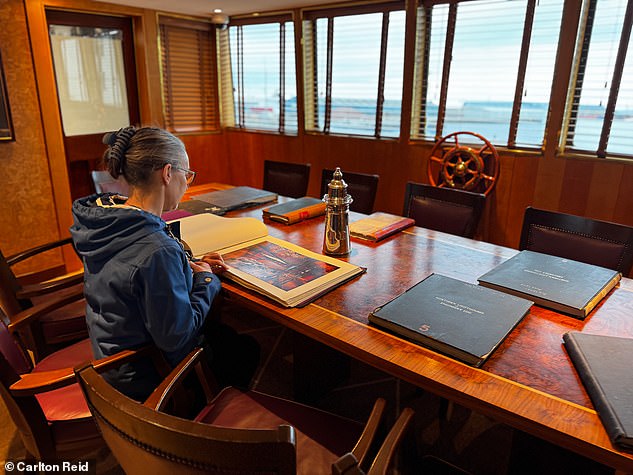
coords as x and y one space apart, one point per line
166 173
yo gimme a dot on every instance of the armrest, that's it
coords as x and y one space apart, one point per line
42 288
369 432
31 384
388 448
21 256
347 465
26 317
165 390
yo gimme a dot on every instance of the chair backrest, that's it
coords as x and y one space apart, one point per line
9 287
444 209
362 187
25 412
147 441
582 239
287 179
104 183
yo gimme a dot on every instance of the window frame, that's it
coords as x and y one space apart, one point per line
574 90
419 117
310 69
229 90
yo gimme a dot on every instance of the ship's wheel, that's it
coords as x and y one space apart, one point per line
473 167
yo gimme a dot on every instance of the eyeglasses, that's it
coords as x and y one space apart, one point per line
189 174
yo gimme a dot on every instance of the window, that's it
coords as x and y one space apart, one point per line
600 107
90 74
188 75
353 69
264 85
485 66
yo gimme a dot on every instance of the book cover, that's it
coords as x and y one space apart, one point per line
603 364
378 226
236 198
564 285
296 210
284 272
464 321
197 206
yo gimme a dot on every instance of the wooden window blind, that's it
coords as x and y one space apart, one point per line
485 66
189 75
600 105
353 69
262 74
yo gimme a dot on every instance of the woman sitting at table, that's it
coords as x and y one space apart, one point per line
141 287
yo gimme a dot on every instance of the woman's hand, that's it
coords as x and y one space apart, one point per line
214 261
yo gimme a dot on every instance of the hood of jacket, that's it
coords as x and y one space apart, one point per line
101 227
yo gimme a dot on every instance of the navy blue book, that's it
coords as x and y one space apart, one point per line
236 198
561 284
604 366
464 321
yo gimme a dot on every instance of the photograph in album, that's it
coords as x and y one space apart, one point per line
277 265
282 271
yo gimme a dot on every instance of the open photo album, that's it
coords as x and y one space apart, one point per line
287 273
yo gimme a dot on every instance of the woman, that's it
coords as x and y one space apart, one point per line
140 286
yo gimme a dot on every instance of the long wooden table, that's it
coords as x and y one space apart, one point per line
528 383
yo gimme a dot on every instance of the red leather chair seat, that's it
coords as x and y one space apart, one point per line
316 448
68 403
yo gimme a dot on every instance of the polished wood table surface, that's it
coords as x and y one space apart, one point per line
528 382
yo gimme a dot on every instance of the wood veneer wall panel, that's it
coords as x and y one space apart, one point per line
549 183
622 212
27 212
575 189
208 157
603 190
524 176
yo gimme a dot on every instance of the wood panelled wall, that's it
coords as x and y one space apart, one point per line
36 203
28 215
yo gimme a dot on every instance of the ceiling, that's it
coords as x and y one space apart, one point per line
229 7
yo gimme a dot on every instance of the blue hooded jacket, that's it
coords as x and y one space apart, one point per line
139 287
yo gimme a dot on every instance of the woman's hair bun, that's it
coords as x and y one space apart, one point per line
118 143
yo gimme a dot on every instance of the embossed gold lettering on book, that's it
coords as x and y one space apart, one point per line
296 210
564 285
284 272
604 366
378 226
461 320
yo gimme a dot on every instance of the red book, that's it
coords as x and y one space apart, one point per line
378 226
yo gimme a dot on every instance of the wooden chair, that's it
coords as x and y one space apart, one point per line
104 183
43 400
444 209
236 432
286 179
582 239
362 187
55 329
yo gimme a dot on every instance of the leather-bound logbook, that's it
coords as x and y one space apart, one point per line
461 320
561 284
604 366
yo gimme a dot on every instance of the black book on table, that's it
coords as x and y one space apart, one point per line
604 366
236 198
464 321
560 284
